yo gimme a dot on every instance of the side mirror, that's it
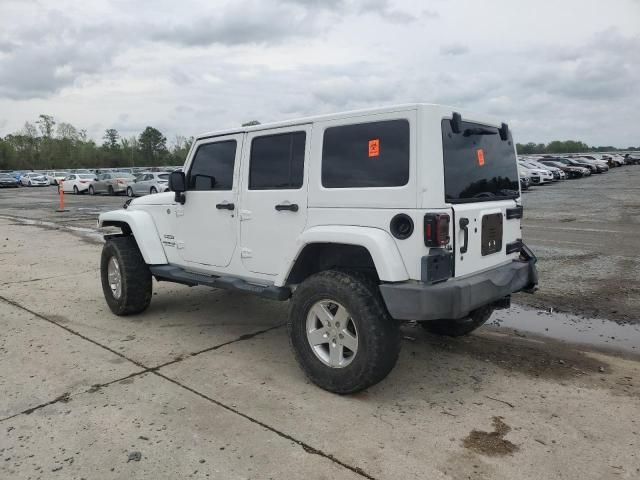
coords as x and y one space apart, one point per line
504 131
178 184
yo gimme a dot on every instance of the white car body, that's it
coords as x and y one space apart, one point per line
418 198
55 177
539 176
148 183
34 179
77 182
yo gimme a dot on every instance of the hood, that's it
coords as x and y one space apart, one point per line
164 198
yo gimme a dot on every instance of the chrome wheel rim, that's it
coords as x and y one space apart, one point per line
332 334
114 277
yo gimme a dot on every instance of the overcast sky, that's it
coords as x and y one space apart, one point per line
560 69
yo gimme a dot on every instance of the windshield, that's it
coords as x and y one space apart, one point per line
478 165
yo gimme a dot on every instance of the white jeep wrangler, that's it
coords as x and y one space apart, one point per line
363 219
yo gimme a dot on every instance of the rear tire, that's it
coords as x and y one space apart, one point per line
461 326
75 190
364 324
129 290
111 192
91 190
153 190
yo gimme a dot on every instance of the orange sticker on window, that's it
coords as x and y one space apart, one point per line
480 154
374 147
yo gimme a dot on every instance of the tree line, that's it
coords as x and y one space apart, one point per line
47 144
566 146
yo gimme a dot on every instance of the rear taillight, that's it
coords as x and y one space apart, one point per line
436 229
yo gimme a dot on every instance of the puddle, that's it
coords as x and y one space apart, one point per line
599 333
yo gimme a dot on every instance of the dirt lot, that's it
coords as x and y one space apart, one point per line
203 385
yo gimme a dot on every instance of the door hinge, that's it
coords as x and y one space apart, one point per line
179 244
246 253
245 215
179 212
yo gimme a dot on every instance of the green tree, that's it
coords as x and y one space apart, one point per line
111 138
152 146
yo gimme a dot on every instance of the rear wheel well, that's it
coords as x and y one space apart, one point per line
318 257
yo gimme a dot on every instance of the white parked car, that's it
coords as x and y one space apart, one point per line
55 177
34 179
148 183
77 182
539 176
362 219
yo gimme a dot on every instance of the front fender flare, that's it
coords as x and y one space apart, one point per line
143 229
380 245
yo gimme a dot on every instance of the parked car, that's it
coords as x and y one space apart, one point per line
335 213
594 165
537 166
111 183
570 171
77 182
148 183
525 181
587 170
8 180
34 179
55 177
631 160
538 176
557 173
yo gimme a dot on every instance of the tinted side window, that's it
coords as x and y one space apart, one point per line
372 154
277 161
212 166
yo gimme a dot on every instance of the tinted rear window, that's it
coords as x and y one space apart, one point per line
372 154
277 161
478 167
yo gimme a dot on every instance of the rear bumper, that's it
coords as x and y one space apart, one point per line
455 298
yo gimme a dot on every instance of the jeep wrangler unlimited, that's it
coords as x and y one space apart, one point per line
362 219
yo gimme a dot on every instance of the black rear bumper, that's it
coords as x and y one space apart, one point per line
456 297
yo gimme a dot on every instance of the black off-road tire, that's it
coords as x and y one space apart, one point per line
136 278
378 334
461 326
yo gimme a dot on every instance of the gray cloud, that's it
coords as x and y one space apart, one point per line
454 49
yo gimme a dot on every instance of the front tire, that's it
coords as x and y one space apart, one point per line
153 190
126 279
341 333
91 190
75 190
111 192
461 326
129 192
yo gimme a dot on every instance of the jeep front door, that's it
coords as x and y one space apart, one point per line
205 233
273 204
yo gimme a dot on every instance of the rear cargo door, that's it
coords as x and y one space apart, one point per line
482 186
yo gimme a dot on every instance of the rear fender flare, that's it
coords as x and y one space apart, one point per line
379 243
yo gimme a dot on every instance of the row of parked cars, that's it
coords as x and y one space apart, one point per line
541 169
129 181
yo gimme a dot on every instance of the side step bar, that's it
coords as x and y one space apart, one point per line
175 274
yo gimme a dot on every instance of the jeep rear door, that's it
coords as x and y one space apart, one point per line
482 186
273 200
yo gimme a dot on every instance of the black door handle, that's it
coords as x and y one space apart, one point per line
225 206
464 222
292 207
